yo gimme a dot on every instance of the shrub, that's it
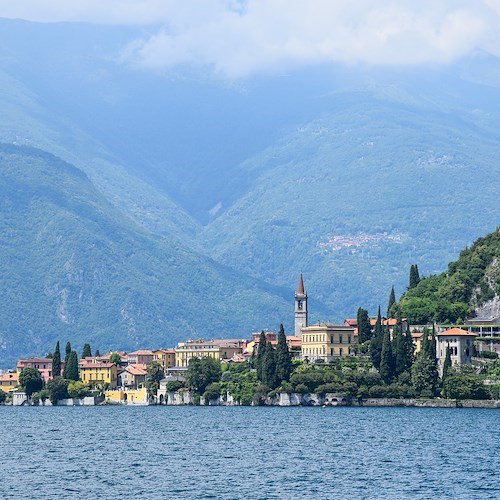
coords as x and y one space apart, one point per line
173 385
3 396
301 388
212 391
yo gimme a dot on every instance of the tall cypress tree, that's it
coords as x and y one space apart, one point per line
398 347
269 367
392 301
66 358
86 351
376 342
71 370
56 362
432 346
261 353
447 363
283 358
363 324
425 344
414 277
386 358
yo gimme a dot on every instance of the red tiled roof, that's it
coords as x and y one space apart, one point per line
143 352
300 286
456 331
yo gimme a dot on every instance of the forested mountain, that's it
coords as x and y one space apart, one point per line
348 174
75 268
469 287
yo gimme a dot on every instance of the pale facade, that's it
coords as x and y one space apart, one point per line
301 314
461 344
197 349
327 341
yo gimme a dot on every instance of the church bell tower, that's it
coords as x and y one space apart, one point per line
300 307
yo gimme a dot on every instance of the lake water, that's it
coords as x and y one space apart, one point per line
246 452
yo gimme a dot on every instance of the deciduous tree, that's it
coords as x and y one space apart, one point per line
30 380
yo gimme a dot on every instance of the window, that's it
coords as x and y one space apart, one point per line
331 339
348 339
299 304
340 351
340 339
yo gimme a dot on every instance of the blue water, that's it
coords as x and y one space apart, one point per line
245 452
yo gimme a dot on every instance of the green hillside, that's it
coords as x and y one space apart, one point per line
75 268
355 197
467 284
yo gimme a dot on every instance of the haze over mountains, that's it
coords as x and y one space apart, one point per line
204 198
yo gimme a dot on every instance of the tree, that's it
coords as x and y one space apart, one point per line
403 347
424 374
261 352
269 367
376 342
97 353
447 363
392 301
364 327
58 389
77 389
154 375
432 346
86 352
463 383
115 358
68 353
30 380
56 361
3 396
386 358
414 277
283 358
201 372
71 369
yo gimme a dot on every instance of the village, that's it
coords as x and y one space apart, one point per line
119 377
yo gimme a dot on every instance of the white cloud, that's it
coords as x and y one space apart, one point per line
239 38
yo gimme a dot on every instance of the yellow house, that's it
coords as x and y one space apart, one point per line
97 373
327 341
200 349
9 381
165 357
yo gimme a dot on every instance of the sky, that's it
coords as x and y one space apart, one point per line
239 38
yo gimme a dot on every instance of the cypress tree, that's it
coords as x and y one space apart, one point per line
71 370
432 346
261 353
447 363
392 301
86 352
414 277
66 358
363 324
376 342
269 367
386 358
425 344
97 353
398 346
283 358
56 361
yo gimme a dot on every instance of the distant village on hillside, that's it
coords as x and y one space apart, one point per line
122 377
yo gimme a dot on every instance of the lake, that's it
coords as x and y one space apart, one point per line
248 452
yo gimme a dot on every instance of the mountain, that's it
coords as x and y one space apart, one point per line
469 287
75 268
349 174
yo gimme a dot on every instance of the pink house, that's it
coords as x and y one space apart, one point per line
44 366
141 356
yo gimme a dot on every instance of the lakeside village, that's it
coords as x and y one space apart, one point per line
371 361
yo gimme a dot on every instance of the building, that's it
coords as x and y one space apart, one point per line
301 314
97 373
165 357
140 357
43 365
9 381
132 376
219 350
327 341
461 344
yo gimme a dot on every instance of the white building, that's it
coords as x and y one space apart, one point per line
461 343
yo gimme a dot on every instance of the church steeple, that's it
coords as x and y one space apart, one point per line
301 316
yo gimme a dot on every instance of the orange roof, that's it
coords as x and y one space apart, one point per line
143 352
34 360
300 286
456 331
351 321
6 377
136 369
84 364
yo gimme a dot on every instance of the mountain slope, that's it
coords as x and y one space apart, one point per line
470 286
73 267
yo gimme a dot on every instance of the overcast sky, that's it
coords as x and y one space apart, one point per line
240 38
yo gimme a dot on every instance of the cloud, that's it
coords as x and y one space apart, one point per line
235 39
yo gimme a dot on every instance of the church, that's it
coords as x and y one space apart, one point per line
324 341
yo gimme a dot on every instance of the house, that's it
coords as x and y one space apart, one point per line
461 344
165 357
132 376
198 349
98 373
43 365
140 357
327 341
9 381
